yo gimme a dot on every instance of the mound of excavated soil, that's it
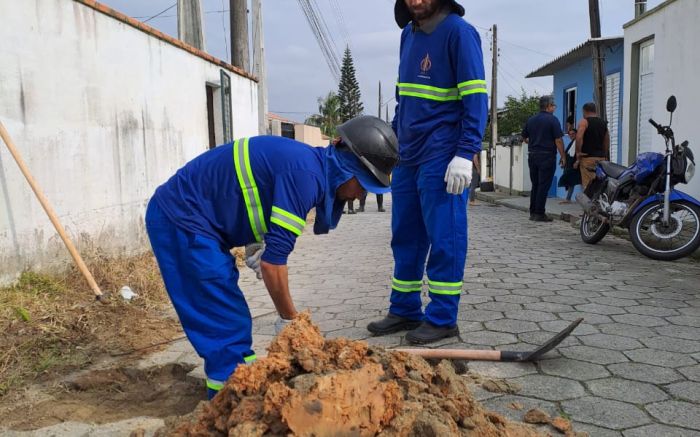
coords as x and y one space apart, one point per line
309 386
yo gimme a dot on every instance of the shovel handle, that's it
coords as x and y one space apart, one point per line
49 211
454 354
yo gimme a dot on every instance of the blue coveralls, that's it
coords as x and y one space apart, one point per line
441 113
231 196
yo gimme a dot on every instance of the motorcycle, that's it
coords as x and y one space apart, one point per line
663 223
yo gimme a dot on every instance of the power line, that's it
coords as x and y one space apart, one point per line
161 12
320 31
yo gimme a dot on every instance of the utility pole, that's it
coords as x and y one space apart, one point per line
597 53
240 50
494 104
379 106
190 28
259 64
387 113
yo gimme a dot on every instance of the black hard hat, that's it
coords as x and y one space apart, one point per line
374 143
403 16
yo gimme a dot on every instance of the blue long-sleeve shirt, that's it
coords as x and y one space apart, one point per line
205 197
441 95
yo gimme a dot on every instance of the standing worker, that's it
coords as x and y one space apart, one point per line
440 120
592 143
543 135
254 191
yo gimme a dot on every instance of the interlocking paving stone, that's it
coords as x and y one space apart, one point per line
626 330
686 332
502 370
686 320
691 372
572 369
652 311
607 341
511 326
639 320
591 319
514 298
489 338
498 306
645 373
479 315
595 308
626 391
657 430
549 307
502 405
672 344
559 325
605 413
687 391
593 354
676 413
530 316
659 358
549 387
594 431
664 303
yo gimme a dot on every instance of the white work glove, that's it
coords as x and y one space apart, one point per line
280 324
253 253
458 175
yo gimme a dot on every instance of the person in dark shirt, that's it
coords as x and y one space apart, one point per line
543 134
592 143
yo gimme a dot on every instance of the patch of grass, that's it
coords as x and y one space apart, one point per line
51 324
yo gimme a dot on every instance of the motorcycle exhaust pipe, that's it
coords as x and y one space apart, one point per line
585 202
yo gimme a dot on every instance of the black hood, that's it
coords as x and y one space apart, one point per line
403 16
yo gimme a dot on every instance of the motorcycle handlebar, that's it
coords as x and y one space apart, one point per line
656 125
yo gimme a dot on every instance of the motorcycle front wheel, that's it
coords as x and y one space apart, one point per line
679 238
593 228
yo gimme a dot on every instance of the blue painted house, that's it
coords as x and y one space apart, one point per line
573 87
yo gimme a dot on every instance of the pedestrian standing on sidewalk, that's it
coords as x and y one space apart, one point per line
571 176
440 119
363 202
255 192
592 143
476 180
543 135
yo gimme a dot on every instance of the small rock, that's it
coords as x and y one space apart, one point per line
139 432
516 406
536 416
562 425
501 386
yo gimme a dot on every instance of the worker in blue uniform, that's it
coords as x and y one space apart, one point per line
440 119
254 191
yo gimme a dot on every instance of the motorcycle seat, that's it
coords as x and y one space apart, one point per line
611 169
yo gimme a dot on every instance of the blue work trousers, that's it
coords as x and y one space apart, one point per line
202 280
427 223
542 168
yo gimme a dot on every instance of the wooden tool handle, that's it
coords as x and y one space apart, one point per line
49 211
454 354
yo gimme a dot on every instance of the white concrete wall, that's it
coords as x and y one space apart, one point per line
102 113
677 63
521 176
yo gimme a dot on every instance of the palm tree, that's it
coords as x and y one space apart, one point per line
328 116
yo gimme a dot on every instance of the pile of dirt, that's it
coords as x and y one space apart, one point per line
309 386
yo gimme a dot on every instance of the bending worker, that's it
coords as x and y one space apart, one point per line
440 120
254 191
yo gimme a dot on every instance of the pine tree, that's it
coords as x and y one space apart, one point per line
349 90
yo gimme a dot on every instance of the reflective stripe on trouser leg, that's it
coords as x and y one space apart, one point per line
215 385
201 280
409 244
445 218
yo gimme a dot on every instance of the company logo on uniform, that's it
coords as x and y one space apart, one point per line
426 64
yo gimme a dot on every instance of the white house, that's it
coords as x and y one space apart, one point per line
662 58
103 109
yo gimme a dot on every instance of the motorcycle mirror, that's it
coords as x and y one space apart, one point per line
671 104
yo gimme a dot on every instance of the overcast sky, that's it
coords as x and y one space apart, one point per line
531 33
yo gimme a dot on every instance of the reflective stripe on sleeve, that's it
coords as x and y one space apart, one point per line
287 220
250 358
406 286
244 173
472 87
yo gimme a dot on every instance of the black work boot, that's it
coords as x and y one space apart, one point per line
391 324
429 333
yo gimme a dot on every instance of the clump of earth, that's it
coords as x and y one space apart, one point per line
310 386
